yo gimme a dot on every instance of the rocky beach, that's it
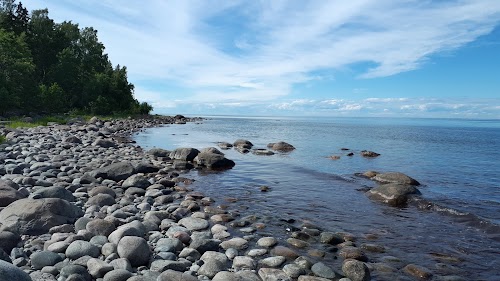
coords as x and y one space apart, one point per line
83 202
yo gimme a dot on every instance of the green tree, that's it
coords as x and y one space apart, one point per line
53 99
17 87
42 41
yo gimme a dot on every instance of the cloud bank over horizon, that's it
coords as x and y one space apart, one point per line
247 57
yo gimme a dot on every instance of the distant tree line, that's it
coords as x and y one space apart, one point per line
48 67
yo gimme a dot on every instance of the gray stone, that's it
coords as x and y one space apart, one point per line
102 190
396 178
185 154
190 254
58 247
322 270
104 143
42 276
272 274
244 262
169 245
44 258
136 180
314 278
213 255
69 270
211 267
275 261
98 268
80 248
172 275
117 275
81 223
8 240
37 216
9 194
158 152
204 245
55 192
267 242
101 200
194 224
241 143
281 146
330 238
100 227
293 270
392 194
213 160
135 249
356 270
134 228
116 172
162 265
236 243
121 263
9 272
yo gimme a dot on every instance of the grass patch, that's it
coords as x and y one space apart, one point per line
21 124
2 139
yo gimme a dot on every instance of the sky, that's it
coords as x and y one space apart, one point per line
380 58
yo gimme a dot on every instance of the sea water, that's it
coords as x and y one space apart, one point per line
457 161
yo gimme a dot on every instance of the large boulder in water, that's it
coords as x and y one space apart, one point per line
212 158
116 171
392 194
281 146
9 193
37 216
241 143
185 154
395 177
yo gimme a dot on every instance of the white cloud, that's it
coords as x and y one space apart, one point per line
276 44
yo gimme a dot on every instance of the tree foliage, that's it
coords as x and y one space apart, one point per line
49 67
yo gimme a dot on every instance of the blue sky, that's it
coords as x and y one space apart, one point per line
414 58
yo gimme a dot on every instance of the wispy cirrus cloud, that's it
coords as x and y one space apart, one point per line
254 52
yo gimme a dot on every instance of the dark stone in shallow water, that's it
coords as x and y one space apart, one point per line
393 194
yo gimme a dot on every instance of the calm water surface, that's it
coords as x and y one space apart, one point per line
457 161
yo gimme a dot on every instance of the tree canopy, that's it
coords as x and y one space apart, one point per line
48 67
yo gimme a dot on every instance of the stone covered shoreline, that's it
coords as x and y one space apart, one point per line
81 202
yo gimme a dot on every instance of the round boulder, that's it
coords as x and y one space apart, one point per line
9 271
392 194
395 177
9 194
80 248
356 270
281 146
37 216
185 154
241 143
135 249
